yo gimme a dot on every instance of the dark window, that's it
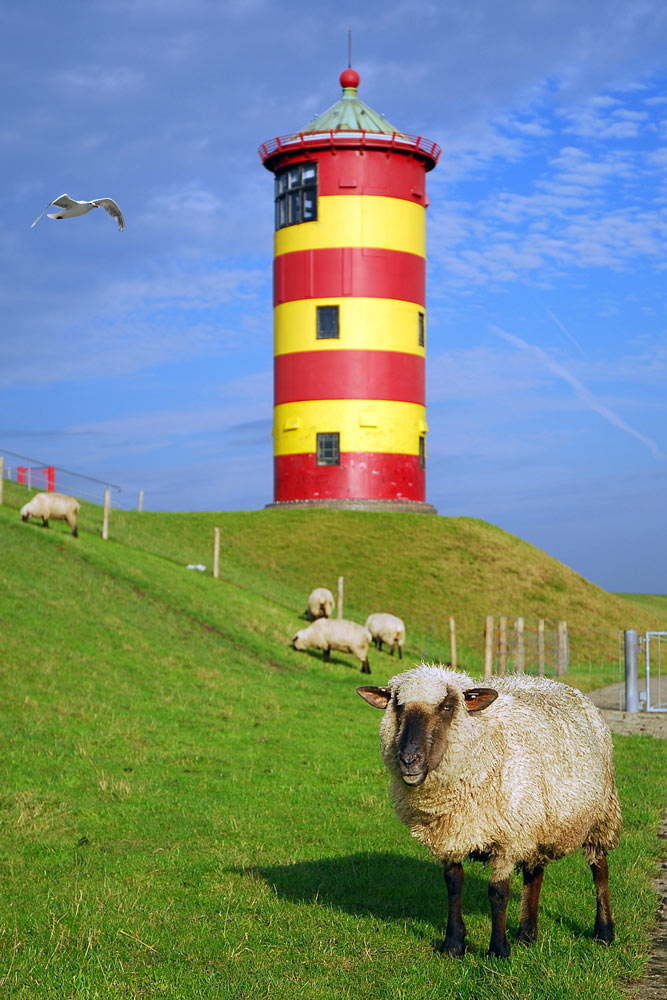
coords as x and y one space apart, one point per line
296 195
422 330
422 451
327 323
328 449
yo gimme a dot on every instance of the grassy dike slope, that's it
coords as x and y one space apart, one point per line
190 809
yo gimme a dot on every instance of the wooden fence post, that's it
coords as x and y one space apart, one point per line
105 518
488 646
520 656
2 477
502 645
452 643
340 596
216 553
563 651
540 647
141 500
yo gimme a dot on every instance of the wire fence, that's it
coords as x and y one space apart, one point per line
36 474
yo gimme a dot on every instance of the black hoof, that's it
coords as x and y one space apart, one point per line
453 947
604 933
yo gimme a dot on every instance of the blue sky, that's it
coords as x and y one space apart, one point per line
144 358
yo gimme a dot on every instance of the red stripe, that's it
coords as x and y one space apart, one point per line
364 272
335 374
359 476
351 171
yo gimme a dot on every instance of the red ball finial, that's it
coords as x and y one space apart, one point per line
349 78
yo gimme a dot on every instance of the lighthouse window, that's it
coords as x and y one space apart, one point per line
422 451
296 195
422 330
327 323
328 449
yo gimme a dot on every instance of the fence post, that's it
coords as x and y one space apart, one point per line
563 652
502 645
340 596
520 648
105 518
540 647
631 673
216 553
452 643
141 500
488 646
2 477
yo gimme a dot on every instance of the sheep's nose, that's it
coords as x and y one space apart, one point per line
410 758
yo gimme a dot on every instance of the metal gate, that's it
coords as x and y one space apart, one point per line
656 691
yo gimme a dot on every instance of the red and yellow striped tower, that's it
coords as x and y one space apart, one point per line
349 310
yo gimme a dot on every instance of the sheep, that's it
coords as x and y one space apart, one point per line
387 628
320 604
516 773
335 633
52 505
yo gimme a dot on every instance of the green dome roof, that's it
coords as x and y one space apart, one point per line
349 114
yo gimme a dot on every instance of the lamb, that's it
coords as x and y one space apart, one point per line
320 604
336 633
516 773
387 628
52 505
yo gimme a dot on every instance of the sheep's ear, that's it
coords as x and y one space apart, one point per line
376 696
477 699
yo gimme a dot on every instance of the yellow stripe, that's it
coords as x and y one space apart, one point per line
358 221
364 324
363 425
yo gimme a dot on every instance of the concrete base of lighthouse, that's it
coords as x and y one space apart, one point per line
396 506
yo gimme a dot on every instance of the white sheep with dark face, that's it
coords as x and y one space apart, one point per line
52 505
516 773
335 633
388 629
320 604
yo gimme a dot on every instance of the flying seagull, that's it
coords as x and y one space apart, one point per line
70 208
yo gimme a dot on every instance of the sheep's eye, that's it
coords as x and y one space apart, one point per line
446 706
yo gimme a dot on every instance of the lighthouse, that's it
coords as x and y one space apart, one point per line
349 296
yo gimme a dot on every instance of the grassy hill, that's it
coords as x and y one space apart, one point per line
191 809
424 569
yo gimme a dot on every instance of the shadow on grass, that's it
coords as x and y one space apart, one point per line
387 886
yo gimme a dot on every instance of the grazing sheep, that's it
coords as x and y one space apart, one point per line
320 604
52 505
336 633
516 773
387 628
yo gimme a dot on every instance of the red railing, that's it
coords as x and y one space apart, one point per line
368 140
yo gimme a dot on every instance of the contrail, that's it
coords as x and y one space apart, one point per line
579 389
567 334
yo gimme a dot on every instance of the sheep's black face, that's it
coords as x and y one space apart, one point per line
421 737
419 731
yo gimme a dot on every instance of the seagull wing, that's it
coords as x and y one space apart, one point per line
62 201
110 206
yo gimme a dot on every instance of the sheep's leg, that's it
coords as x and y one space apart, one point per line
365 666
400 652
455 935
604 925
499 894
326 654
45 522
530 901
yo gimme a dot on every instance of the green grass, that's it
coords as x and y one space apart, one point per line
191 809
